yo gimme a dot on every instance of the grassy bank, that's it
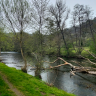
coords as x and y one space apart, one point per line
72 52
4 89
27 84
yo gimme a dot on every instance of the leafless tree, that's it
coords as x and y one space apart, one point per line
74 22
88 15
60 13
40 7
78 19
15 14
81 19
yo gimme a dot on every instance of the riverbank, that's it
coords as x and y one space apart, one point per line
72 53
26 84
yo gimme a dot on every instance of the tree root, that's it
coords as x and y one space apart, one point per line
24 69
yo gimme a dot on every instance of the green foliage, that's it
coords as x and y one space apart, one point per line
88 42
28 84
27 42
2 36
51 51
8 42
92 47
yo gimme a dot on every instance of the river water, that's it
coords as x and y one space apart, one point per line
81 84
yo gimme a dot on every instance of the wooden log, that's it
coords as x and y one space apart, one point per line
92 72
79 68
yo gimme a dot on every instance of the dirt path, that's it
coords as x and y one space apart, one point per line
11 86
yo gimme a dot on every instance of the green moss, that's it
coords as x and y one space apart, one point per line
29 85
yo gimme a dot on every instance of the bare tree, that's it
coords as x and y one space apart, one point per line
40 7
60 13
78 19
74 21
81 19
15 15
88 15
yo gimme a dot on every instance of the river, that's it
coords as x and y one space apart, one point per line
77 84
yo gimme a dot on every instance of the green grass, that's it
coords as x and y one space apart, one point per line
64 52
74 52
29 85
4 89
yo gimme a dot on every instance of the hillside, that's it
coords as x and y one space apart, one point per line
16 83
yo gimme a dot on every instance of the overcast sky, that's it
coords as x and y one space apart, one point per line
70 4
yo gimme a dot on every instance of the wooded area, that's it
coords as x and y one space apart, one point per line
49 34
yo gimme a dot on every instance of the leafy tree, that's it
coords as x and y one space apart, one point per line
8 44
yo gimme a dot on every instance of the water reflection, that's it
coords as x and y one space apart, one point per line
62 80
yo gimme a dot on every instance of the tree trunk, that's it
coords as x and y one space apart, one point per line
75 34
65 42
80 38
25 62
40 36
58 44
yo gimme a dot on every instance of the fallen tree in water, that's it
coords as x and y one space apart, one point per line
74 69
79 68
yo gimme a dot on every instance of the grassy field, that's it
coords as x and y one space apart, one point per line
27 84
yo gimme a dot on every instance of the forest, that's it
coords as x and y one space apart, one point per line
47 24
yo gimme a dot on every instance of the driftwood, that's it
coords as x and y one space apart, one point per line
90 53
88 60
74 69
65 63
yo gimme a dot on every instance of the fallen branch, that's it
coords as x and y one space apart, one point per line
65 63
77 63
62 60
76 68
90 53
88 60
51 62
51 67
